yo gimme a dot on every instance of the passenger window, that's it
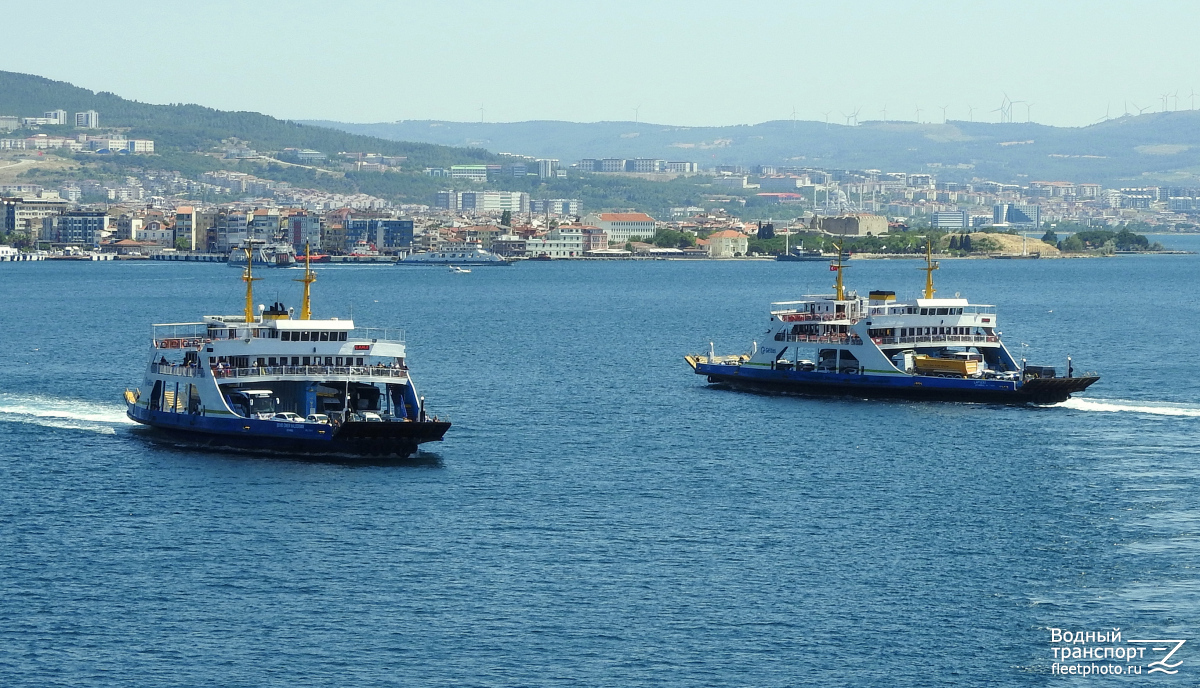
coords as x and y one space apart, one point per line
358 361
295 360
341 336
304 336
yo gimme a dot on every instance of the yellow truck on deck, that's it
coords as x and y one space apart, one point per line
963 364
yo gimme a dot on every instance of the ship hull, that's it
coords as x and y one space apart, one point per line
349 440
913 387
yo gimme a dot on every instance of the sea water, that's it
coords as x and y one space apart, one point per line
598 515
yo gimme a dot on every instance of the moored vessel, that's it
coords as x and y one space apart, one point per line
263 255
461 253
875 346
284 382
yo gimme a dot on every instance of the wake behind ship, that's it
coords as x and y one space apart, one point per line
271 381
930 348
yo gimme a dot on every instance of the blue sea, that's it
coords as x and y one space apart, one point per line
598 515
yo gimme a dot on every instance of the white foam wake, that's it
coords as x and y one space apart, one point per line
62 413
1158 408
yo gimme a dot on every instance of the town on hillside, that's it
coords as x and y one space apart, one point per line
154 212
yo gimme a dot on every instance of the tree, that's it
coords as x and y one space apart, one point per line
1050 237
965 244
1073 244
506 218
183 244
954 246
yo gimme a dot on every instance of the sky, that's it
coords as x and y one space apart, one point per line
694 63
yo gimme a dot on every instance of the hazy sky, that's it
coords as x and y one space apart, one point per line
688 63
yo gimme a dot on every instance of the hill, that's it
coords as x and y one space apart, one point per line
187 127
1124 151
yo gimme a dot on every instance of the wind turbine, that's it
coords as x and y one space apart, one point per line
1105 118
827 118
1126 109
884 110
847 118
1193 97
481 113
1175 96
971 112
856 111
1001 111
918 114
943 107
793 118
635 113
1028 107
1164 100
1140 109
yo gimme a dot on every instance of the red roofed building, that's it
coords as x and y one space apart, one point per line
620 227
727 243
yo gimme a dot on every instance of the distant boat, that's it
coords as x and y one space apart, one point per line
814 255
466 253
459 271
277 255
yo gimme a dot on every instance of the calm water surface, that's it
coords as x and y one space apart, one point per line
597 514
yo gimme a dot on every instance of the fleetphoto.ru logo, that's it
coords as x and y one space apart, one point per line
1103 653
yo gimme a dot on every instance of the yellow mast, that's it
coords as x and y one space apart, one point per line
308 279
249 279
930 266
841 290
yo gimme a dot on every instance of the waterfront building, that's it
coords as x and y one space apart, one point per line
621 227
727 243
25 215
303 228
76 227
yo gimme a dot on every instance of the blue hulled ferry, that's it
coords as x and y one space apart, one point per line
277 381
927 348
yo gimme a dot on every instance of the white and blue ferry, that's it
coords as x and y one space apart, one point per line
927 348
271 380
456 253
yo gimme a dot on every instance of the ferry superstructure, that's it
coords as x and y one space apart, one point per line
463 253
284 382
927 348
276 255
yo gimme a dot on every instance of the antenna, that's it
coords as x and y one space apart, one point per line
249 278
930 266
308 279
838 267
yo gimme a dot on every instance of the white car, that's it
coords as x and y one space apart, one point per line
287 417
370 417
317 418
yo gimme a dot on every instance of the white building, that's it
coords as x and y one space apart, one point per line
87 120
620 227
727 243
561 242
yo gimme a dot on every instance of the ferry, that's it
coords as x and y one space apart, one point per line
274 380
277 255
843 344
463 253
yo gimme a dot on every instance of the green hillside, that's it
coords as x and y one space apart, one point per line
191 128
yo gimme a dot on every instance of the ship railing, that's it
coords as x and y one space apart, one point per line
378 334
786 316
182 370
938 339
312 371
178 335
818 338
